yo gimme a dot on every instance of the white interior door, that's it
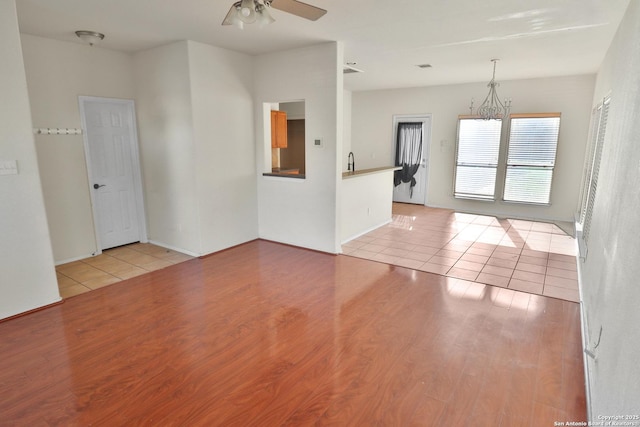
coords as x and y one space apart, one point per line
114 170
403 193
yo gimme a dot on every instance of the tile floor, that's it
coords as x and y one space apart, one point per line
534 257
112 266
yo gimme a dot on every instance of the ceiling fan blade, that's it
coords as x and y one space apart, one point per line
298 8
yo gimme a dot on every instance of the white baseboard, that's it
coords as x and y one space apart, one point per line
173 248
584 329
78 258
98 252
585 361
368 230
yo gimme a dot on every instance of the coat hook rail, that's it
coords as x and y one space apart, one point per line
57 131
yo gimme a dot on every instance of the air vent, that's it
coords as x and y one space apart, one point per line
348 69
424 65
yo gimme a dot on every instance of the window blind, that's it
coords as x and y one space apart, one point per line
478 147
595 170
588 163
531 158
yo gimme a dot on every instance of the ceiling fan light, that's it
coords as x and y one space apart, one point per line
264 17
234 18
250 11
238 23
247 11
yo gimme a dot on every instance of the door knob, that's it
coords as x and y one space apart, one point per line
96 186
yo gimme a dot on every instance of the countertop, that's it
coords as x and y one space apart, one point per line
361 172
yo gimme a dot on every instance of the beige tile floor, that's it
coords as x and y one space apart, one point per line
112 266
528 256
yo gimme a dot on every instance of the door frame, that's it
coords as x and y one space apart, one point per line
136 167
426 141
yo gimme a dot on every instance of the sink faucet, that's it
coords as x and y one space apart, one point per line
351 162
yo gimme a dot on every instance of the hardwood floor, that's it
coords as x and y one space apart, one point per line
267 335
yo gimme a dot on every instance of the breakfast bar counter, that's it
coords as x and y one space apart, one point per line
366 201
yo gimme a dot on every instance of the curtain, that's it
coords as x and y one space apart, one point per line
408 153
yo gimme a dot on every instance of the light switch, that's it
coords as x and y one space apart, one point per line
8 167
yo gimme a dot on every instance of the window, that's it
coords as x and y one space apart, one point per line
531 157
477 154
593 169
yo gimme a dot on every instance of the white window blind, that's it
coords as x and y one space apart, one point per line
477 153
595 170
531 158
588 162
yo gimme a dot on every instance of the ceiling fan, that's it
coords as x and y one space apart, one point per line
250 11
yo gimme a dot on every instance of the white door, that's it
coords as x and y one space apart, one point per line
404 192
114 170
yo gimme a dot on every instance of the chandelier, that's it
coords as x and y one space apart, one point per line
492 108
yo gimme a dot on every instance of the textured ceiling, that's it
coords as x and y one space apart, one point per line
387 39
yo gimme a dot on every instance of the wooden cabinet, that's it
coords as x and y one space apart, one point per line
278 129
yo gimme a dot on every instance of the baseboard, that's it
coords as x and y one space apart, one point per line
302 248
66 261
173 248
24 313
153 242
585 361
368 230
227 249
584 328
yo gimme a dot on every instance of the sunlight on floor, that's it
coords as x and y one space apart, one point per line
527 256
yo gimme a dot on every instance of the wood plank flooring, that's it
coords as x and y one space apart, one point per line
267 335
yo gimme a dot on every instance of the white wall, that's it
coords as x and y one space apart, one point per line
195 116
222 111
610 274
57 73
346 138
167 146
372 139
366 203
302 212
28 279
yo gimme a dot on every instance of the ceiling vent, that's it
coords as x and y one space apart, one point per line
348 69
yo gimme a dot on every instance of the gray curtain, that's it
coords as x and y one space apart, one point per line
408 153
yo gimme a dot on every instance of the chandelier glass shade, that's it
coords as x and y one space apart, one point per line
492 108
